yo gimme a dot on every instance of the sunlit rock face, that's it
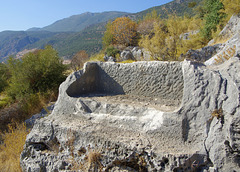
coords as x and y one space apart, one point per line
143 116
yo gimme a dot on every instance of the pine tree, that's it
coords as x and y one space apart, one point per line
212 17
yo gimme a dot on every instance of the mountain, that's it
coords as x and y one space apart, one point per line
68 35
12 42
68 44
77 23
179 7
80 32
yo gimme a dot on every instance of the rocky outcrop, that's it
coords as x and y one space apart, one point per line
231 33
204 53
232 27
231 49
143 116
215 53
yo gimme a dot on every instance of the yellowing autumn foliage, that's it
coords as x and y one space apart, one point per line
166 42
124 31
231 7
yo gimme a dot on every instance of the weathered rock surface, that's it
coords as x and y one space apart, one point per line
143 116
231 49
126 55
232 27
231 32
204 53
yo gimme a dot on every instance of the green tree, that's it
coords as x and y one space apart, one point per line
3 76
108 36
111 51
39 71
212 17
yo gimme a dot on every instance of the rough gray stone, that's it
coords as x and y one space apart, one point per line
126 55
137 53
44 112
109 59
117 114
231 49
204 53
232 27
231 32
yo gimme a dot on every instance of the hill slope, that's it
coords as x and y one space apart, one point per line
68 44
77 23
68 36
79 32
12 42
179 7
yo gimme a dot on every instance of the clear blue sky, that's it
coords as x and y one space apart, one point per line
24 14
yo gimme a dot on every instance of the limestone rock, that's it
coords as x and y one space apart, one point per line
143 116
109 59
44 112
204 53
231 32
137 53
232 27
126 55
231 49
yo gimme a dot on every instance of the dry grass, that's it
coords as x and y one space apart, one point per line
128 61
97 57
94 158
10 150
218 113
226 55
220 40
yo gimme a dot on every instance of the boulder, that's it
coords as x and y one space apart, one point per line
126 55
204 53
142 116
137 53
109 58
232 27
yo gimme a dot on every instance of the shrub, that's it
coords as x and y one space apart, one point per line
112 51
97 57
3 76
39 71
79 59
4 102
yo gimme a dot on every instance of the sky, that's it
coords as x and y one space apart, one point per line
24 14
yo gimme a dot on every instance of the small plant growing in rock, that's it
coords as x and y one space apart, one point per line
94 158
218 113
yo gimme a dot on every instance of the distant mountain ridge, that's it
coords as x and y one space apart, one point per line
77 23
58 33
179 7
79 32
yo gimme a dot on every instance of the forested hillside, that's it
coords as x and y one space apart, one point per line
68 35
178 7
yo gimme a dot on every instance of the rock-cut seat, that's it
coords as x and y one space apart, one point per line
156 80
